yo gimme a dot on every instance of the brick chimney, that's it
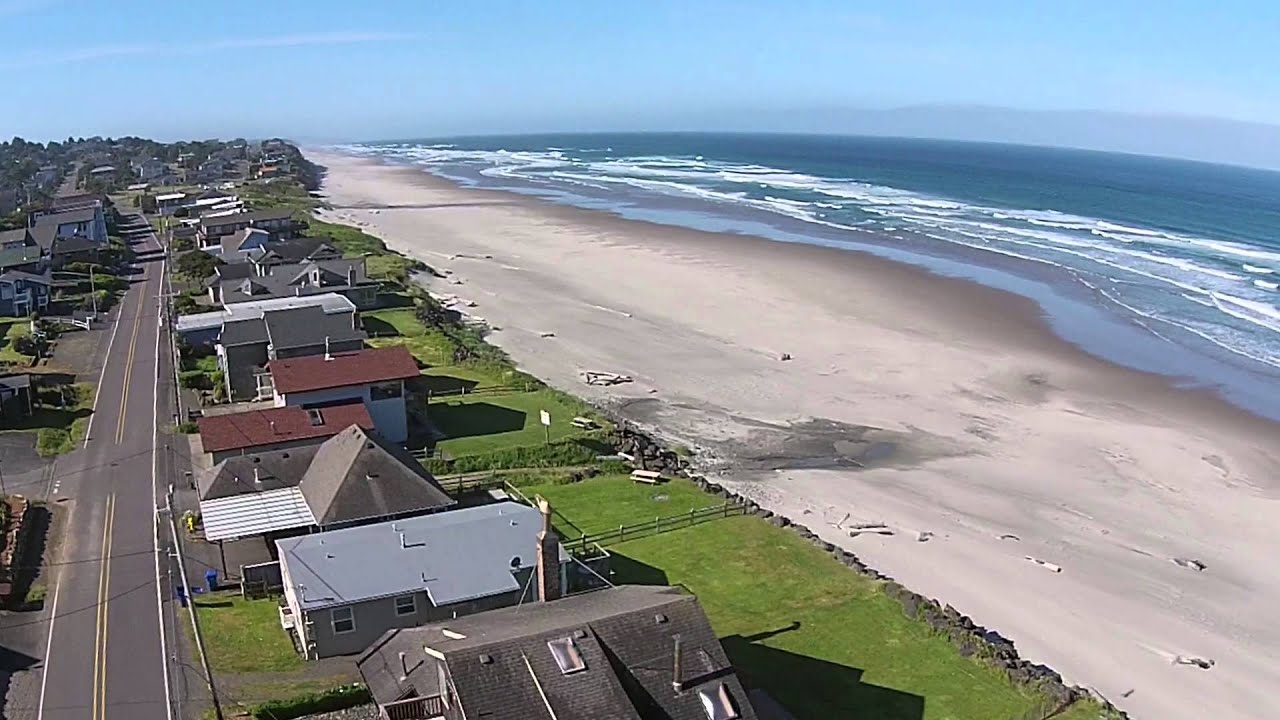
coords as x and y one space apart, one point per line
548 562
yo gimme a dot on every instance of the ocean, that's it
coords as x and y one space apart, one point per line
1163 265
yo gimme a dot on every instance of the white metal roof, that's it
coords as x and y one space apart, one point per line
254 514
331 303
170 196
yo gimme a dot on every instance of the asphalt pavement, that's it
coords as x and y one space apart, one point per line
110 633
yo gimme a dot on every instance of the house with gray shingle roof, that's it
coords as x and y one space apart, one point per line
626 653
246 345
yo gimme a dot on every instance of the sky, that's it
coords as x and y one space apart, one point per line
385 69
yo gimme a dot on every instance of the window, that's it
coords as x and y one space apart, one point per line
717 703
384 391
406 605
566 654
343 619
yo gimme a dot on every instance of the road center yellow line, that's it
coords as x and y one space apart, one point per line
104 597
128 371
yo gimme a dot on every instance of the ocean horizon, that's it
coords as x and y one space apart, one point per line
1168 266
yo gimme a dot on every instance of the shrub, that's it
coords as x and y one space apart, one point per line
339 698
185 305
572 451
195 380
188 428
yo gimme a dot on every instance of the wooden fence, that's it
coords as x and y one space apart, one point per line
656 526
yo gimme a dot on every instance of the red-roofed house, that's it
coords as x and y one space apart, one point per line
224 436
375 376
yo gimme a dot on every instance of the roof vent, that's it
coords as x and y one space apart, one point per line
486 659
659 618
315 417
580 634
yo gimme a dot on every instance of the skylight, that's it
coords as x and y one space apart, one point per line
717 703
315 417
568 659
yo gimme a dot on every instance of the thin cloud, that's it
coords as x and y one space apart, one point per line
103 52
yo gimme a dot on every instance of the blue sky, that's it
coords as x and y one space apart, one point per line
323 69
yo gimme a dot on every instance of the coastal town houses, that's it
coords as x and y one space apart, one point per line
343 276
628 652
202 330
23 293
245 347
279 223
374 376
344 589
351 479
277 428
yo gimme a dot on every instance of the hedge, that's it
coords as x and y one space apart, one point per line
339 698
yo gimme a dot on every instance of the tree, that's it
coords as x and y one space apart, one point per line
197 265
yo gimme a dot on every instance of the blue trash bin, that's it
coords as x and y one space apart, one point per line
211 579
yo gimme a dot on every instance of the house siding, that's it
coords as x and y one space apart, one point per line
389 415
375 617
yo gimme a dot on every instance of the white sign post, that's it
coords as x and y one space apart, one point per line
546 424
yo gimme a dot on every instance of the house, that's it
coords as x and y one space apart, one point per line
259 431
279 223
344 276
351 479
375 376
297 250
203 329
10 239
73 201
345 588
15 396
149 169
87 221
633 652
139 187
237 247
169 203
246 347
102 171
23 293
73 249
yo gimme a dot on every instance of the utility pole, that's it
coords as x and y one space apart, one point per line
191 606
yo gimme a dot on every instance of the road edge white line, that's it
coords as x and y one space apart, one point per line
48 649
155 515
106 360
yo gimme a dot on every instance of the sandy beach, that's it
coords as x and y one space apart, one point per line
928 404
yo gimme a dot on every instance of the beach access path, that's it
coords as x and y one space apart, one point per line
925 403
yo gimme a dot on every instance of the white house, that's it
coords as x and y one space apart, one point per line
375 376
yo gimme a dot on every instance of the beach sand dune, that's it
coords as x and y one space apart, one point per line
924 403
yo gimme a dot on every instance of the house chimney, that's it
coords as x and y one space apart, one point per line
548 561
327 356
351 275
677 671
404 666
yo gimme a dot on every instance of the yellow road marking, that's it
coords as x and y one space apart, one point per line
104 596
128 368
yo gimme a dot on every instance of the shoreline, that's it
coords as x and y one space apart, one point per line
994 424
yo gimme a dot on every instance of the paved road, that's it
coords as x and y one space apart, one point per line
105 657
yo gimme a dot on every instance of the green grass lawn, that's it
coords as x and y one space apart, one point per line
484 422
822 640
398 326
605 502
243 636
9 331
58 429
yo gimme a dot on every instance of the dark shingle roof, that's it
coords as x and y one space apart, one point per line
239 431
357 475
13 236
308 326
62 217
235 475
625 636
65 246
230 271
19 275
298 249
44 235
243 332
293 279
24 255
317 372
248 217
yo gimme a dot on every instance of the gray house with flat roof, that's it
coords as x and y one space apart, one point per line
345 588
244 347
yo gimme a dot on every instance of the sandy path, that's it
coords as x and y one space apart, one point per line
985 425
